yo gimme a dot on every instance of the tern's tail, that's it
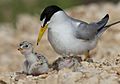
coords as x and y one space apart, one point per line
107 26
112 24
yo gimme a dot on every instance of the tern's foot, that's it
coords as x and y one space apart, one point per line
89 60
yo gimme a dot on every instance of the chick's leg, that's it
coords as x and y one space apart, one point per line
25 67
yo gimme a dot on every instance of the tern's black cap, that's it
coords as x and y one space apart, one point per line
49 11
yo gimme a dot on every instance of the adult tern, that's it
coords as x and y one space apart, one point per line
69 36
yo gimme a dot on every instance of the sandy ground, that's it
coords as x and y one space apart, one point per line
106 56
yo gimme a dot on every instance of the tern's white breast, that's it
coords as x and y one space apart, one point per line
63 41
61 35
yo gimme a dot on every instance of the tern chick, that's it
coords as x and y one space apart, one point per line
68 35
34 64
66 62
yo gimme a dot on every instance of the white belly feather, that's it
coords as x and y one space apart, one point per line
65 43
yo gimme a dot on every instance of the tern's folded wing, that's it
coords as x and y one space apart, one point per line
87 31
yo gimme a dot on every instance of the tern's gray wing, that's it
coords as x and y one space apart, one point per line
89 31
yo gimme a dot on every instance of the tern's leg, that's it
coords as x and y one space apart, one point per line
87 56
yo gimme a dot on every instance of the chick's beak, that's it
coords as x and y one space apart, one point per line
20 49
41 32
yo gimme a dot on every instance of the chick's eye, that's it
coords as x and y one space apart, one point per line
20 44
26 45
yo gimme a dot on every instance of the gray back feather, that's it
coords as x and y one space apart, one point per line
90 31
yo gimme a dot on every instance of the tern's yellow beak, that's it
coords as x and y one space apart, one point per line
41 32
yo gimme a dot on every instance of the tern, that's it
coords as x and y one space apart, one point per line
69 36
35 64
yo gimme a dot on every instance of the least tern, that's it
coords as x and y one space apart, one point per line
69 36
35 64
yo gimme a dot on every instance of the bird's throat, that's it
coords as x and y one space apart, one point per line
31 58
